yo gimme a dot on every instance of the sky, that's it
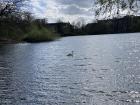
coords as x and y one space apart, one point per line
65 10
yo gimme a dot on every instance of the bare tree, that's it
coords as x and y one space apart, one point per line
8 7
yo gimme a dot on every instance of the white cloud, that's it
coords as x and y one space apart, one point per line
67 10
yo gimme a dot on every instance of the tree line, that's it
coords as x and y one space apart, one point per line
127 24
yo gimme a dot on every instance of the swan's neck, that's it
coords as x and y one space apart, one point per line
72 52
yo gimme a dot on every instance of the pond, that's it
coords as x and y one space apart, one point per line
104 70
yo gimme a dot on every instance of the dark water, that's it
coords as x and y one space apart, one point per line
105 70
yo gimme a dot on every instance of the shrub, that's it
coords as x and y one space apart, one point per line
39 34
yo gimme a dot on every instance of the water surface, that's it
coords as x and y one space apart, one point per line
105 70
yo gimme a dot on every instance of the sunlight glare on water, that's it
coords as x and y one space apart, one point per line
104 70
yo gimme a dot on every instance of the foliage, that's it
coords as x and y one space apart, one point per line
25 29
39 34
117 6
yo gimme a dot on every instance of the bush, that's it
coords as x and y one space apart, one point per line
39 34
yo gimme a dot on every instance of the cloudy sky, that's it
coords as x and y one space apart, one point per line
66 10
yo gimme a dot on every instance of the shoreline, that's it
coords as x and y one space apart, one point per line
10 41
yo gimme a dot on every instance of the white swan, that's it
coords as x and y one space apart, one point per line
71 54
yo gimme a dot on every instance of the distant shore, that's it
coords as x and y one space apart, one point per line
39 31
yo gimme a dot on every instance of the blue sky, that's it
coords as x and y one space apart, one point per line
66 10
